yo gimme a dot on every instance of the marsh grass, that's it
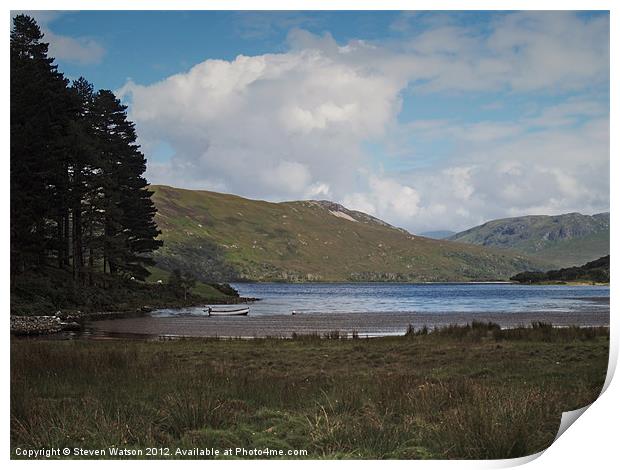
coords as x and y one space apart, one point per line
537 331
452 392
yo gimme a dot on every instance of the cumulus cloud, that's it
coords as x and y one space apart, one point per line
275 125
296 124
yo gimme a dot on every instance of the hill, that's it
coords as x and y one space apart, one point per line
222 237
561 240
594 271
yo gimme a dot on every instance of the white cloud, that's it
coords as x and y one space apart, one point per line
523 51
286 177
81 50
270 126
386 198
551 171
318 190
294 125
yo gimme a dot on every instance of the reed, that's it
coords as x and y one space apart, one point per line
437 394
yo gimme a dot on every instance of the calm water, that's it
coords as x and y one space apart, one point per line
389 297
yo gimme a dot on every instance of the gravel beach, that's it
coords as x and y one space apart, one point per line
364 324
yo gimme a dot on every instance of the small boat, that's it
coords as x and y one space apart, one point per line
235 311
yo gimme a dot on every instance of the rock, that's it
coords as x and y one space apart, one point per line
72 317
35 325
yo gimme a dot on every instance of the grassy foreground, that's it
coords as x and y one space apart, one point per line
461 392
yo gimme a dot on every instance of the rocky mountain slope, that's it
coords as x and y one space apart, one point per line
561 240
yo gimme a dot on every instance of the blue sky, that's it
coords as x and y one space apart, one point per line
429 120
147 46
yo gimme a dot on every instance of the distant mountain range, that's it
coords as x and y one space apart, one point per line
438 234
560 240
222 237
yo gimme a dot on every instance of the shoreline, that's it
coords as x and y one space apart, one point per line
351 324
75 320
140 322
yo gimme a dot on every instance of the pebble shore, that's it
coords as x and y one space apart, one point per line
38 325
28 325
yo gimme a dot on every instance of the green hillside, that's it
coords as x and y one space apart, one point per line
221 237
562 240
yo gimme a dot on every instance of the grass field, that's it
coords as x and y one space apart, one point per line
459 392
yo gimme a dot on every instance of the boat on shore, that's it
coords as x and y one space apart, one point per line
227 312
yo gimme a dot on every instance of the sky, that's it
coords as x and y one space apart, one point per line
427 120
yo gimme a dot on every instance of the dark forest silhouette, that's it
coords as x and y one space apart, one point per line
79 201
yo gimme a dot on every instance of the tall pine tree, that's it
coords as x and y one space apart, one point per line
41 109
129 229
82 175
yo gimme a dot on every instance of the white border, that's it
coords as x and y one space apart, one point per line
591 442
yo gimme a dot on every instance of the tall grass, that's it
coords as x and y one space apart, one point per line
537 331
439 394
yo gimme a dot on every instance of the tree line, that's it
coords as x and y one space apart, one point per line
79 201
594 271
